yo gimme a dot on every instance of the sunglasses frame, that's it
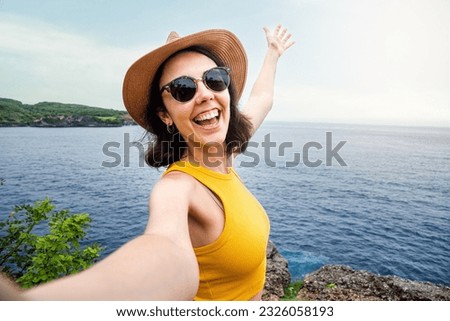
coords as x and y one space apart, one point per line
167 87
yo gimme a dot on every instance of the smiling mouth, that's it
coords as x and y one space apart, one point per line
209 119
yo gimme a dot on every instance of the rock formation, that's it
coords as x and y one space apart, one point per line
342 283
278 276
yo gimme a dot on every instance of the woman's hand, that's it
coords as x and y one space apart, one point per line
278 40
261 97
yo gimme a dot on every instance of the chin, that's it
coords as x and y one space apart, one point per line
216 139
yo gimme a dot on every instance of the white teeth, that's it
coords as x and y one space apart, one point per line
208 115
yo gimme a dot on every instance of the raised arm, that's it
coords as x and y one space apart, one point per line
159 265
261 97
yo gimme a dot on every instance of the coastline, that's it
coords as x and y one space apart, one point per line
14 113
343 283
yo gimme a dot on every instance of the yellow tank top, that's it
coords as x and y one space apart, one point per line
232 267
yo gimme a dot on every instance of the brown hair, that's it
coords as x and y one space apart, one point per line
165 148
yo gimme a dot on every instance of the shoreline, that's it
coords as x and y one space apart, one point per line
343 283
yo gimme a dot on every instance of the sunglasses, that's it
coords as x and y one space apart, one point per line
184 88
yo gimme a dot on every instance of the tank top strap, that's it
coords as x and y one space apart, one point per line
215 181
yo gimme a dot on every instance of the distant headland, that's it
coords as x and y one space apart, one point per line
14 113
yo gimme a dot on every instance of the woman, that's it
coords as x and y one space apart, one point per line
207 235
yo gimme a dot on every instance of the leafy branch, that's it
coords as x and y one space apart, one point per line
31 258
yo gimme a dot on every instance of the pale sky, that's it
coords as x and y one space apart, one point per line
354 61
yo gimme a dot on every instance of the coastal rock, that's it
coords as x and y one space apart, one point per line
278 276
342 283
73 121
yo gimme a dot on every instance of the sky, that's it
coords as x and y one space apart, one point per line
354 61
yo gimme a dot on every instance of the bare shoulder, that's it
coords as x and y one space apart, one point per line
175 184
169 205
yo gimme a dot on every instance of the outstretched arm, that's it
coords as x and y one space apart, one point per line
261 97
158 265
9 291
146 268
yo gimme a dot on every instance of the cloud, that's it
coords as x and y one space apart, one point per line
354 61
369 61
401 107
43 63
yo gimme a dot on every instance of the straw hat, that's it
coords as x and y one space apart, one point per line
140 75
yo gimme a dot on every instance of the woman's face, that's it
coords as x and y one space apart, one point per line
205 118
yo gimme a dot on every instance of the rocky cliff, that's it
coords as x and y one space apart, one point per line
73 121
342 283
278 276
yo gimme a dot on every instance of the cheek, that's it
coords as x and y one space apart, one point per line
225 100
227 106
178 112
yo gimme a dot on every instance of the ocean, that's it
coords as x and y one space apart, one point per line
375 198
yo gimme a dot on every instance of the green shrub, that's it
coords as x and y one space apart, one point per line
31 258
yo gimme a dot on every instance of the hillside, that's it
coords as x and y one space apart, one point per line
53 114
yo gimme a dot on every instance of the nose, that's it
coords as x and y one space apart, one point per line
203 93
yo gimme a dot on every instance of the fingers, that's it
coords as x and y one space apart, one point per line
279 32
286 41
277 29
288 45
279 37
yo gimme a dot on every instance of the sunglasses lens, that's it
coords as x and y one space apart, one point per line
217 79
183 89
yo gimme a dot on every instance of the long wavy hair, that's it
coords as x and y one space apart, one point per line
166 148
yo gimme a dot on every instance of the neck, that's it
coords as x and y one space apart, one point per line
213 157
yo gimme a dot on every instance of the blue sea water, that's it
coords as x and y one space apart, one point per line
386 211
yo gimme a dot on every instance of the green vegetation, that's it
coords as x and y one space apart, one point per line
53 114
31 258
291 292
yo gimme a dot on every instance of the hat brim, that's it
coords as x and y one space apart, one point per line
140 75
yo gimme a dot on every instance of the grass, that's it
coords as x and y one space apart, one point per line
291 292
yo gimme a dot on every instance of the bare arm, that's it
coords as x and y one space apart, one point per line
146 268
159 265
261 97
9 291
